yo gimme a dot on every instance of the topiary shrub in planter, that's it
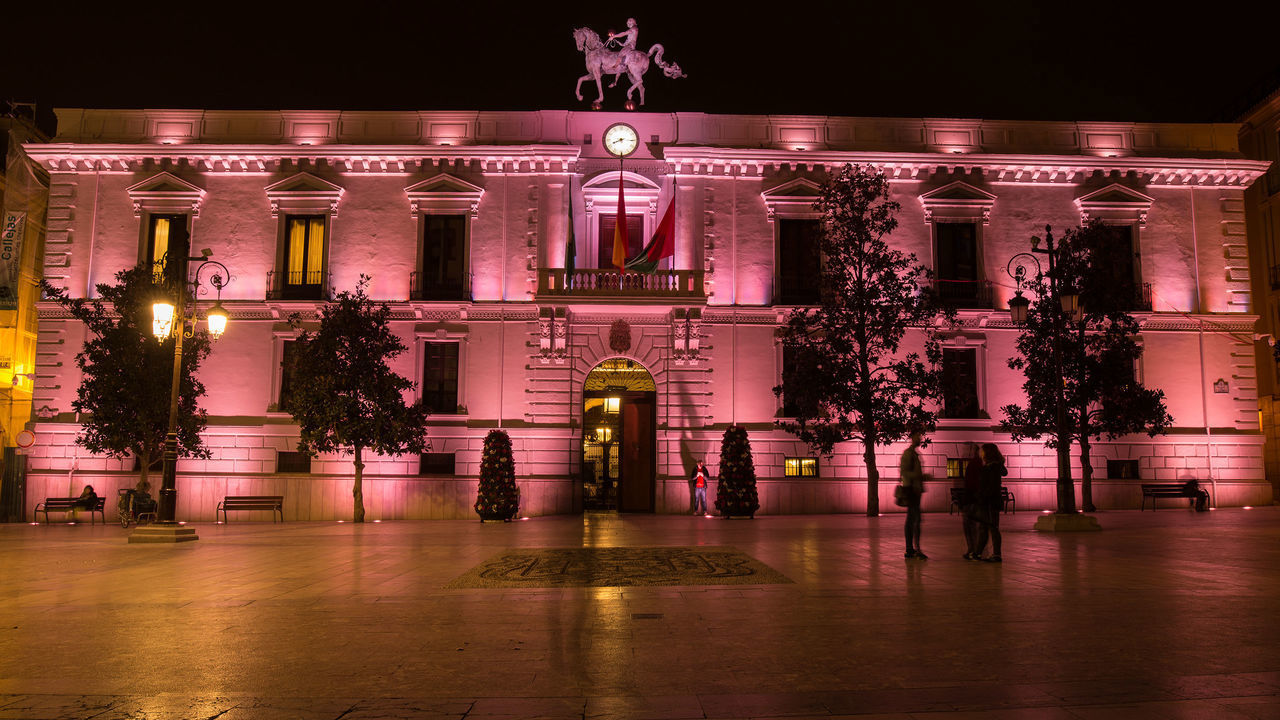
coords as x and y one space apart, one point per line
498 497
736 492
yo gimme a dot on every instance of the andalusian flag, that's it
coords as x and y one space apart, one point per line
620 231
663 244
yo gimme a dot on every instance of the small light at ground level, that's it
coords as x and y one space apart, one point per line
342 521
182 522
218 522
1248 507
1047 512
377 521
524 518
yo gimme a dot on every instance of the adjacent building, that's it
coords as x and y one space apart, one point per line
1260 140
491 236
24 193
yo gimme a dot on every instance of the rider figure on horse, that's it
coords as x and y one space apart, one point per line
626 37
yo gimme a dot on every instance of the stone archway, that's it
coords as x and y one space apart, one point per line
619 438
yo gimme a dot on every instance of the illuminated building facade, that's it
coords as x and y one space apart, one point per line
612 387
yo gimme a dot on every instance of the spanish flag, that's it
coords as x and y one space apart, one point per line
663 244
620 232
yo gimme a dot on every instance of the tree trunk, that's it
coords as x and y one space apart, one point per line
1086 474
357 491
144 463
873 478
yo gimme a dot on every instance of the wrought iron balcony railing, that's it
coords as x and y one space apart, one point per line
297 285
421 288
611 283
975 294
1142 297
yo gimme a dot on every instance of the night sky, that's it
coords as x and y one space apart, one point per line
1031 60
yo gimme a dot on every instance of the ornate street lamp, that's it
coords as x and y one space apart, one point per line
1019 268
181 321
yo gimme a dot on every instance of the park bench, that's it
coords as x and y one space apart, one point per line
1007 498
274 503
70 504
1174 490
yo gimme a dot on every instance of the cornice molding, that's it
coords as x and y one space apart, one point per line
232 158
998 169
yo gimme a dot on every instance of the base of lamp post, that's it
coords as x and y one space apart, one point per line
1067 522
163 533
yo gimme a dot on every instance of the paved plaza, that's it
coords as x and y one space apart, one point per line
1169 614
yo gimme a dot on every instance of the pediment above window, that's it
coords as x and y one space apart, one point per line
304 194
600 192
958 201
165 194
793 198
444 193
1115 203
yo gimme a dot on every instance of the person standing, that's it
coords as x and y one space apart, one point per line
969 502
700 478
990 501
912 480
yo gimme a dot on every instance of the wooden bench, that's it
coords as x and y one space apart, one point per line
1007 498
71 504
274 503
1173 490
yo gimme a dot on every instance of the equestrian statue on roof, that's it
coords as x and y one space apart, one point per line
603 59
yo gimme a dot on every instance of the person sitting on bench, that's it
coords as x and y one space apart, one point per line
88 498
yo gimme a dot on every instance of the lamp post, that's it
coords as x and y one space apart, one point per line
1070 302
180 322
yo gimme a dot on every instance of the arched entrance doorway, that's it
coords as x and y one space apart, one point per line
619 437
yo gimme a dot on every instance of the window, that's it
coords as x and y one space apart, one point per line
957 263
288 351
1122 469
635 238
443 275
302 276
799 261
440 377
292 462
960 384
789 408
957 467
1122 270
800 467
436 464
166 235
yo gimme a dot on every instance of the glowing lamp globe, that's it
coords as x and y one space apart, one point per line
1070 302
161 318
217 317
1018 308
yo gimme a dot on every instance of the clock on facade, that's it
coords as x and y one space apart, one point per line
620 140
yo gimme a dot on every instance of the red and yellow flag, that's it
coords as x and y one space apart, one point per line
620 231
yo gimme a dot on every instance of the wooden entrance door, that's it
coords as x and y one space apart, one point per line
635 489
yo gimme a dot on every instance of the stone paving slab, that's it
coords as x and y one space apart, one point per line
1161 615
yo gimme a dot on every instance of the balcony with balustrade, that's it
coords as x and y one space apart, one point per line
610 283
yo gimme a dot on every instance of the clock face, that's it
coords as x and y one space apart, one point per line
620 140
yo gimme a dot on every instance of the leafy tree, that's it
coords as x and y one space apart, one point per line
125 379
845 378
736 491
498 496
342 393
1099 354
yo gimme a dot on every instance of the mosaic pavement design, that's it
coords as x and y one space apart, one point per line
618 567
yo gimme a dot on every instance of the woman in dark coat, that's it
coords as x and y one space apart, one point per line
990 501
969 503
